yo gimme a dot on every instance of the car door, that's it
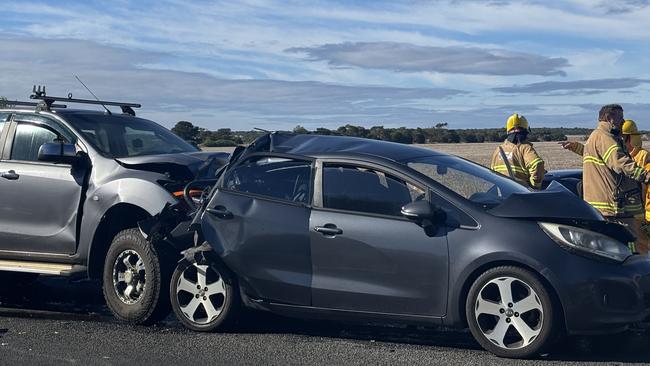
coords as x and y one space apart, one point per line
38 210
258 222
365 255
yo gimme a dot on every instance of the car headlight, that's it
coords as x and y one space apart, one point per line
586 242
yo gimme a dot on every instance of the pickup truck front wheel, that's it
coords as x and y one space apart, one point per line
135 279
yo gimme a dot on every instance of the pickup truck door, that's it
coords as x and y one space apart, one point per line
40 201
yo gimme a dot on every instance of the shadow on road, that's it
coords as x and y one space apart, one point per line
62 299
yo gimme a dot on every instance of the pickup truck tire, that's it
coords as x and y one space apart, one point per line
136 278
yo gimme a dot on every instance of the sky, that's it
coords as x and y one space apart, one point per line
277 64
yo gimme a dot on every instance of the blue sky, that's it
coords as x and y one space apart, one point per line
277 64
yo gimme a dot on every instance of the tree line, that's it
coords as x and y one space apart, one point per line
440 133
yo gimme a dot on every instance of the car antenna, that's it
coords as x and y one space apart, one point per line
261 129
93 94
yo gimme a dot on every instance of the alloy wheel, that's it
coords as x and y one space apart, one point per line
509 313
201 294
129 276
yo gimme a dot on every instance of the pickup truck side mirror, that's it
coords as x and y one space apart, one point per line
426 215
58 152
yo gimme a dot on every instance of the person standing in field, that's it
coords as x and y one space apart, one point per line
611 178
517 157
633 144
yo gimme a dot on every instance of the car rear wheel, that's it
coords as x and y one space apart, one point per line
203 299
510 312
135 279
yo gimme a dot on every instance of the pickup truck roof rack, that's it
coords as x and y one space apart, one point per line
47 102
30 104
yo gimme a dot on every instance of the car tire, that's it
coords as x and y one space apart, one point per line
510 313
136 278
203 298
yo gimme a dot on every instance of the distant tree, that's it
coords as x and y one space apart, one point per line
418 136
186 130
301 130
323 131
442 125
378 133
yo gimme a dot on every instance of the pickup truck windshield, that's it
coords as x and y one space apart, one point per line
117 136
469 180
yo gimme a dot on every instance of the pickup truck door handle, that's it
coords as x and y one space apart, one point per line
220 212
11 175
328 230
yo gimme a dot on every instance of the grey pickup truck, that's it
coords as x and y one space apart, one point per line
74 186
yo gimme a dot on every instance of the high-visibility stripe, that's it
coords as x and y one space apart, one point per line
593 160
609 152
505 168
647 215
637 173
533 164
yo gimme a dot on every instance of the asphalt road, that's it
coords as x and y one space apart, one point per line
40 325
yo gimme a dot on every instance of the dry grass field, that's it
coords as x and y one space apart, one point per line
553 154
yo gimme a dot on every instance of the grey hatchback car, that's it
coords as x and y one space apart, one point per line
344 228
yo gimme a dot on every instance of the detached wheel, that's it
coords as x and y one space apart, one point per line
202 298
510 312
135 279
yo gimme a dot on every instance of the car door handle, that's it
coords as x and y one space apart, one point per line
328 230
220 212
11 175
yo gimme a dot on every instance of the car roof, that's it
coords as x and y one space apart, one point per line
319 145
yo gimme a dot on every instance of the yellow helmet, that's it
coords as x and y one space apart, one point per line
629 128
516 121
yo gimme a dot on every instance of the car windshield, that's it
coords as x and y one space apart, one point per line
117 136
469 180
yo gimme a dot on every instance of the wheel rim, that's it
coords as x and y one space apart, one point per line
201 294
129 277
509 313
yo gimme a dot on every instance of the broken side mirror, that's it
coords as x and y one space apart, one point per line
58 152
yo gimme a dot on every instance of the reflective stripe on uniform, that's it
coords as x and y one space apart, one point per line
609 152
533 164
593 160
637 173
606 206
504 168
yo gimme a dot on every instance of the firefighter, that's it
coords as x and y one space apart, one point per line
611 177
523 163
633 144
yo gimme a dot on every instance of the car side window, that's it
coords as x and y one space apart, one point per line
32 131
281 178
3 118
354 188
28 140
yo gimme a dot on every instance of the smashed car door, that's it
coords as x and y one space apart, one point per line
366 256
257 221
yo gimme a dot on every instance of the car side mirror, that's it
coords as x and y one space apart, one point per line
58 152
428 216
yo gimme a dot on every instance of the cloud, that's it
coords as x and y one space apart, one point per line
406 57
576 86
170 95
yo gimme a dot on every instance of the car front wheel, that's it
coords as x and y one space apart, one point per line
203 298
510 312
135 279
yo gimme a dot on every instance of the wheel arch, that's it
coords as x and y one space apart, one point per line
474 274
117 218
